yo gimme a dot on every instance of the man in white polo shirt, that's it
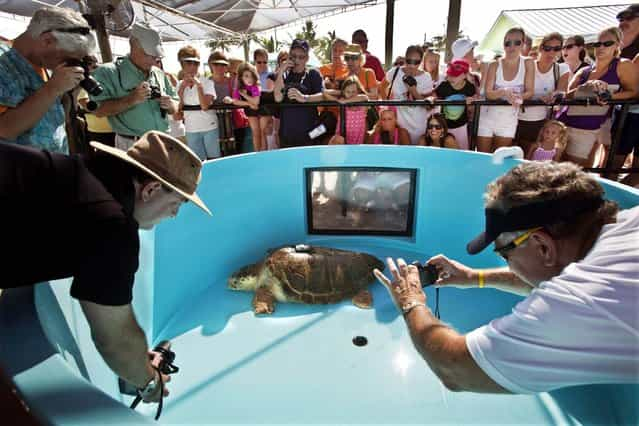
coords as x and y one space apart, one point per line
575 257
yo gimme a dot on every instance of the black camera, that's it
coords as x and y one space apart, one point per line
428 274
89 84
156 92
604 95
409 80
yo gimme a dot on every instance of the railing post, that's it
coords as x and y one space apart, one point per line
474 127
616 140
342 121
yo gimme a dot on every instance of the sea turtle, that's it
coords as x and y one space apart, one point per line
307 274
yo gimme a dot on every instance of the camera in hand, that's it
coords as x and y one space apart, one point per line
428 273
409 80
156 93
604 95
89 84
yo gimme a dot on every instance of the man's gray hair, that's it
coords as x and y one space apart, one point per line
48 19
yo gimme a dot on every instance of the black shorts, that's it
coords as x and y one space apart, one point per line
528 130
629 134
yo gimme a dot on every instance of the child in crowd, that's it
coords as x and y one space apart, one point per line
247 94
352 90
551 142
457 87
437 133
387 130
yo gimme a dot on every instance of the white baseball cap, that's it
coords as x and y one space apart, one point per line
148 38
461 46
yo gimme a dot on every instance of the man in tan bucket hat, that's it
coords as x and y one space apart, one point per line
65 216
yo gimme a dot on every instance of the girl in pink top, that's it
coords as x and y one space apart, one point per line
387 130
352 91
247 94
551 142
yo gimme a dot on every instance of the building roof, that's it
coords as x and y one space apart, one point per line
586 21
225 17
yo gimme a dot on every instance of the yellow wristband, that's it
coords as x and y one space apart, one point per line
481 279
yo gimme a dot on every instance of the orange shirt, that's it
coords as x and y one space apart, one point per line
334 71
367 78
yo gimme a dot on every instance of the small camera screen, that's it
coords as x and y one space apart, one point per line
359 201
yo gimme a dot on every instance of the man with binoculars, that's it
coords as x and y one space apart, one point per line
31 111
137 95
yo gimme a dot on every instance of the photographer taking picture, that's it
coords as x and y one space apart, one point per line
294 83
31 110
137 95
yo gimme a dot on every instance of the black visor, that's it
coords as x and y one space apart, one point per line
529 216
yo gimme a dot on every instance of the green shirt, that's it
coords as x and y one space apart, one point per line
120 78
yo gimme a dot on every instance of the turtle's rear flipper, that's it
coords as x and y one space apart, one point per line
263 301
363 299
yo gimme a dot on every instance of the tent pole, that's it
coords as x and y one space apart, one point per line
452 28
103 38
390 20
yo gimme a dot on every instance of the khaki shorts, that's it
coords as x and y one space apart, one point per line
604 136
581 142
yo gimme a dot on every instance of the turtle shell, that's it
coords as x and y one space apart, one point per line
319 275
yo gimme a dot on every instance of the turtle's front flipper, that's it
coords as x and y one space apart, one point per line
263 301
363 299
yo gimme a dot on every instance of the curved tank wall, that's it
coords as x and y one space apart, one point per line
300 365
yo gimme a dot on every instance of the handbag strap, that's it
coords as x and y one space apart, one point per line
390 88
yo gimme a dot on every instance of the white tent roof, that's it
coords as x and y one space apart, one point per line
217 17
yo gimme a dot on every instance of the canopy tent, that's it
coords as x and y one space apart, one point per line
204 19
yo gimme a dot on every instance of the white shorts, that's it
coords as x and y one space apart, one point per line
498 121
604 136
580 142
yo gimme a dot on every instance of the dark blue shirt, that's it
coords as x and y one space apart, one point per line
296 122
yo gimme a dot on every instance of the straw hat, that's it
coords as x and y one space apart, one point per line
166 159
353 49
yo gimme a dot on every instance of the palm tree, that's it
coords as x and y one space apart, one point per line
270 44
223 44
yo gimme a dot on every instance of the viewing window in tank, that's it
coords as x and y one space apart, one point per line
360 200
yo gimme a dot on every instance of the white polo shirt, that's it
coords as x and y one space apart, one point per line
581 327
198 121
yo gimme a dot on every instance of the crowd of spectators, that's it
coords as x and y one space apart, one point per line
139 96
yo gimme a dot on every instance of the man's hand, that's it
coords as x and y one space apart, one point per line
140 94
405 289
167 103
453 273
65 78
295 95
156 358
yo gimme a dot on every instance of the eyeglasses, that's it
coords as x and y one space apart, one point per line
551 48
261 62
598 44
413 61
351 57
434 126
569 46
74 30
297 57
626 17
509 43
516 242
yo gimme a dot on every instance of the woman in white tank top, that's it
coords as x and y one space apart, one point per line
512 79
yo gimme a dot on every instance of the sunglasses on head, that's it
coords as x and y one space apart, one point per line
434 126
551 48
413 61
509 43
351 57
598 44
626 17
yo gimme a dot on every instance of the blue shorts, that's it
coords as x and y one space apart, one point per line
206 145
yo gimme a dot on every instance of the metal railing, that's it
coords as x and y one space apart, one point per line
607 170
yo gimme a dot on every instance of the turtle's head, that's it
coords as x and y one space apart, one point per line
245 279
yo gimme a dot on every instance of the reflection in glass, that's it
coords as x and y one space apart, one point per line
353 201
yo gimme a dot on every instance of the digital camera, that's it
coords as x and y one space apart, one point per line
89 84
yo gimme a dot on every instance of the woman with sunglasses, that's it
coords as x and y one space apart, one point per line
608 78
437 133
551 79
574 53
409 82
511 78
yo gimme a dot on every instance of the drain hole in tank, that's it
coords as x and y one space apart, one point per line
360 341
